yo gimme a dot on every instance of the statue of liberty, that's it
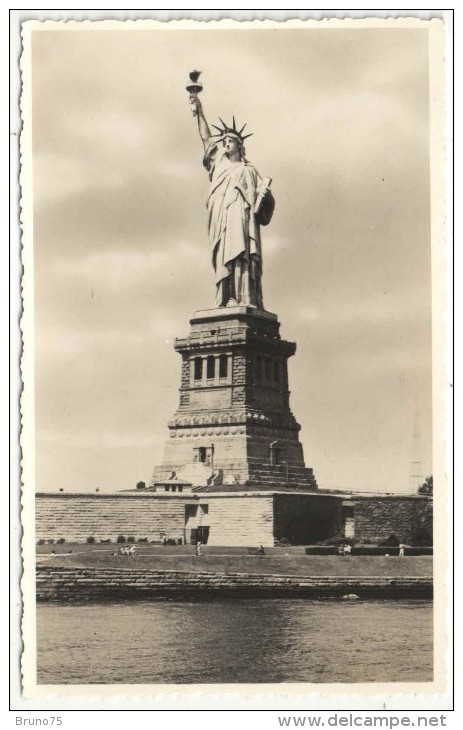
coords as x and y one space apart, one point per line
238 203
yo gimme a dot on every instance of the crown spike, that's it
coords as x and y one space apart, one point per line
225 129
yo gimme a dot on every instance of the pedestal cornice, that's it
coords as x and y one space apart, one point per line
228 313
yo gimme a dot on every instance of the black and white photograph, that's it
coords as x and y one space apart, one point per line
233 237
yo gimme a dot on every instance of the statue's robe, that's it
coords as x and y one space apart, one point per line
234 230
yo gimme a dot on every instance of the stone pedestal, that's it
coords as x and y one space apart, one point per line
233 414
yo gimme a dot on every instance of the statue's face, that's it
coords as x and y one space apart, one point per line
232 148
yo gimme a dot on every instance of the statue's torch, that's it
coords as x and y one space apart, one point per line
194 88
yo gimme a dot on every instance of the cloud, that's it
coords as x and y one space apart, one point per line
140 208
98 439
382 309
122 267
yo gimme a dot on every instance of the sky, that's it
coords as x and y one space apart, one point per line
340 123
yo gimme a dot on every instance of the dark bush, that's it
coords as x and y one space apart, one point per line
91 540
368 550
427 487
131 538
120 538
142 539
283 541
334 541
60 541
322 550
391 541
422 539
41 541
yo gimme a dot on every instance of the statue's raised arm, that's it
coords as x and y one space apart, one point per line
203 127
239 202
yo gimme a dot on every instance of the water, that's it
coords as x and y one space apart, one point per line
246 641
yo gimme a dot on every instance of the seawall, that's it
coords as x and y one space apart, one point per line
55 583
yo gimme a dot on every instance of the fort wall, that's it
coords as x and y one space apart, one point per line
235 519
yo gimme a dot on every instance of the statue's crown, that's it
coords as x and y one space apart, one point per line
225 130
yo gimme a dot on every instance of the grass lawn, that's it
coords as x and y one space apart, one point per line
284 561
